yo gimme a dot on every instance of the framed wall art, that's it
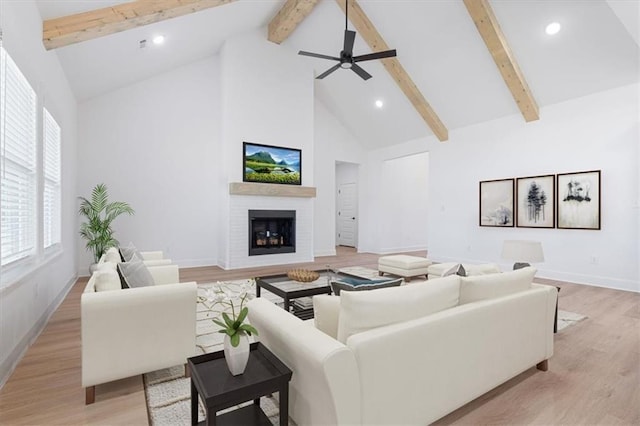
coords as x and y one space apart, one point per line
578 199
271 164
535 202
496 203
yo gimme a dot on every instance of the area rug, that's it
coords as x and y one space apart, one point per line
567 319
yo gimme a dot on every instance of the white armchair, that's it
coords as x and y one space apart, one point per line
137 330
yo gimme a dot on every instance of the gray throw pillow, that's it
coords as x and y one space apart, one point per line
461 271
134 275
355 284
127 253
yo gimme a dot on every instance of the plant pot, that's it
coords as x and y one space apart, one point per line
236 357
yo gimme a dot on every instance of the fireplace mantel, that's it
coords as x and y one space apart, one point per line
272 190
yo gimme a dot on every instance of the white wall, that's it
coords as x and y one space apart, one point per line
155 145
267 98
27 301
598 132
333 142
394 216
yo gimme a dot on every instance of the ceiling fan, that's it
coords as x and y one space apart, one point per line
346 59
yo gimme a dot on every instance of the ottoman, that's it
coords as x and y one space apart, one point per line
436 270
404 266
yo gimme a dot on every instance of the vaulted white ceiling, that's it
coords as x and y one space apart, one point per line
437 43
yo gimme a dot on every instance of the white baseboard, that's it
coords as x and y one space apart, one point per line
322 253
11 362
391 250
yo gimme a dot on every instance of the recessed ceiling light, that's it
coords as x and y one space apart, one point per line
379 103
159 39
552 28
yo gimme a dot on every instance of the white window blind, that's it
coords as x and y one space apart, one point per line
17 162
51 165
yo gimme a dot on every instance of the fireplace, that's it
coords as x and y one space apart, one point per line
272 232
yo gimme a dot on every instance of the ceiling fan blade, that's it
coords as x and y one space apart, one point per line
327 72
376 55
317 55
349 39
362 73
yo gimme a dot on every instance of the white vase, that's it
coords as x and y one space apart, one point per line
236 357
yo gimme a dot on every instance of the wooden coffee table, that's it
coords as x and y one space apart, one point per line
283 286
218 389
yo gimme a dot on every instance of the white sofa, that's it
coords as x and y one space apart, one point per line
149 258
137 330
418 368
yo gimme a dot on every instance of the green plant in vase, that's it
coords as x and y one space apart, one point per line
100 214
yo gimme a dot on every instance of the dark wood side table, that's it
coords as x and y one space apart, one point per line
211 379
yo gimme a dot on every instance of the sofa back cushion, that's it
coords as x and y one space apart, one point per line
326 311
106 280
480 287
112 255
365 310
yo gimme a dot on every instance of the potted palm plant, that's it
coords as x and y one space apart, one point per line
100 213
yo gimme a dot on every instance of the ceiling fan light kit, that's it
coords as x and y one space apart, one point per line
346 59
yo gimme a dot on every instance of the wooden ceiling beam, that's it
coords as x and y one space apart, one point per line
489 28
80 27
288 18
370 34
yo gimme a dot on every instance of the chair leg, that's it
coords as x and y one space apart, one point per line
187 371
90 395
543 366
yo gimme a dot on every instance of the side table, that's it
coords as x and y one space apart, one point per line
211 379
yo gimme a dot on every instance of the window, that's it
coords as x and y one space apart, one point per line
18 148
51 172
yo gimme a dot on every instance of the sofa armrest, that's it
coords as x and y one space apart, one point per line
157 262
152 255
137 330
324 389
165 274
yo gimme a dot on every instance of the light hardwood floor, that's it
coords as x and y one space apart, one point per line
593 378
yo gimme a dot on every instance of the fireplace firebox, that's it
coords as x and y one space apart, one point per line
272 232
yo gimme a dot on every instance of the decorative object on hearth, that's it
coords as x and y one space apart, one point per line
522 252
579 200
346 59
271 164
536 201
100 213
236 343
496 203
303 275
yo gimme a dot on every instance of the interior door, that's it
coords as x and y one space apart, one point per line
347 214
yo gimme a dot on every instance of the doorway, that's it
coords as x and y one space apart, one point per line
346 204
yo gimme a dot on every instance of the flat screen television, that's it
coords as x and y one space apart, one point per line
271 164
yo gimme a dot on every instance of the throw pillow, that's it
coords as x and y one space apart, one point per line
106 280
359 284
481 287
112 255
452 270
128 252
364 310
461 271
134 274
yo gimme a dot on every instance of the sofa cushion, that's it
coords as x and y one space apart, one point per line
360 284
134 274
480 287
364 310
106 280
326 311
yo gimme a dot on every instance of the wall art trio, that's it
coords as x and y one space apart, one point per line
565 201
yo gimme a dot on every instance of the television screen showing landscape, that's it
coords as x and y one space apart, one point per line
271 164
